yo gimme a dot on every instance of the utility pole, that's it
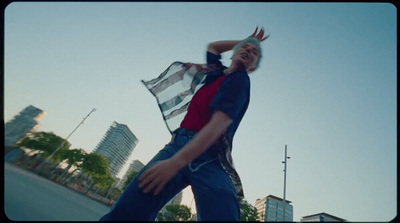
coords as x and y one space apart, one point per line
284 183
52 154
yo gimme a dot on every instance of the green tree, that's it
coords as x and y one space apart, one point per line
175 212
94 163
47 142
247 211
130 178
96 167
74 158
57 158
102 180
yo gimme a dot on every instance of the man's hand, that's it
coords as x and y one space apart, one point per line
162 172
157 176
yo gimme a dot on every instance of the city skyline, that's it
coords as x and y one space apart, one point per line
326 88
37 126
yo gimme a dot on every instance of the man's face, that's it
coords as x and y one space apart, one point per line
246 56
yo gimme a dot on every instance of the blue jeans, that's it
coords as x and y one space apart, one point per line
214 193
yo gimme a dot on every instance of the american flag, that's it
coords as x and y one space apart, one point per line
174 89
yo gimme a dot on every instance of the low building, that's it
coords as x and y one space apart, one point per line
272 208
321 217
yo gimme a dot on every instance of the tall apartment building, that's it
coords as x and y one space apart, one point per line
177 199
24 122
270 208
117 145
135 166
321 217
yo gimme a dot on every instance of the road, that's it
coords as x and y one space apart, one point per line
29 197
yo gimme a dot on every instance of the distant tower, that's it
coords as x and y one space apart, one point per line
117 144
24 122
176 200
135 166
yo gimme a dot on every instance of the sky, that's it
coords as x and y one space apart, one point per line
326 88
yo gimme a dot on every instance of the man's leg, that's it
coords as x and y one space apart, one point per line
217 205
135 205
214 193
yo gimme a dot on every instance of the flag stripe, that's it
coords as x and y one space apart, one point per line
174 89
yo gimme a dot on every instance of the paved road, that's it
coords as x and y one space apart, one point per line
29 197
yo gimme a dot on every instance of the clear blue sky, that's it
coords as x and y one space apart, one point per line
326 88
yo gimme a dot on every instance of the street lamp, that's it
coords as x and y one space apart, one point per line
59 147
284 183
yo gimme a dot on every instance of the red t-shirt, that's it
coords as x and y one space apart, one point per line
199 114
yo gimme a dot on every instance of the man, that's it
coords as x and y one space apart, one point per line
199 152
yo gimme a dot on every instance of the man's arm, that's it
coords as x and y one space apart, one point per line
160 173
222 46
204 139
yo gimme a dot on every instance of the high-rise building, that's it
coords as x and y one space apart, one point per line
320 217
177 199
24 122
270 208
135 166
117 145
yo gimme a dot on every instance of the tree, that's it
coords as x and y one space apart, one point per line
57 158
130 178
96 167
175 212
47 142
102 180
94 163
74 158
247 211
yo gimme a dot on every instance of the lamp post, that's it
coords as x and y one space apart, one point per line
48 158
284 183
